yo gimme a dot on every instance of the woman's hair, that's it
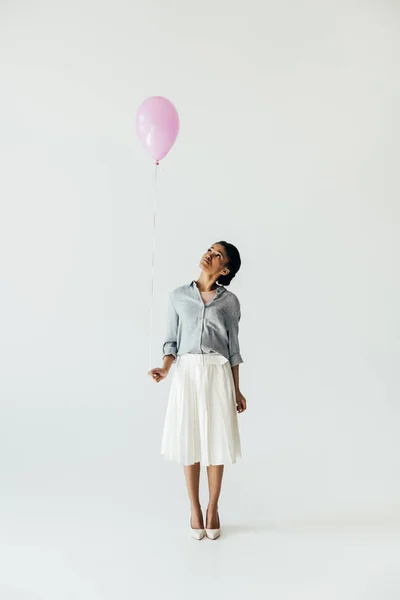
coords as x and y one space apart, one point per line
233 263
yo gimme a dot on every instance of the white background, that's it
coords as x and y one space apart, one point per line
288 148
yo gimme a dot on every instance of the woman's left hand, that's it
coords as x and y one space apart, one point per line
240 401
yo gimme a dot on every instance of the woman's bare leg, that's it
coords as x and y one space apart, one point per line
192 476
214 475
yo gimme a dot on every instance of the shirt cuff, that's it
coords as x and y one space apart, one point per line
169 348
235 359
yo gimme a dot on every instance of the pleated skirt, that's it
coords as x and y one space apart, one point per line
201 420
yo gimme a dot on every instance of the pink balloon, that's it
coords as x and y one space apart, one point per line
157 125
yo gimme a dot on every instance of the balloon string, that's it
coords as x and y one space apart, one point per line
153 262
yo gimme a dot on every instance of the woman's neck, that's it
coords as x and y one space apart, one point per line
205 284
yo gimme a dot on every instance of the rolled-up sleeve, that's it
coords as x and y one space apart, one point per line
171 333
235 357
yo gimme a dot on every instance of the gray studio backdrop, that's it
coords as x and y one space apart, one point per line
289 128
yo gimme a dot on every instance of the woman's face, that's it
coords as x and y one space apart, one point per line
214 260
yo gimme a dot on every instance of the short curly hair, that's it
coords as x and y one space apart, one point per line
233 264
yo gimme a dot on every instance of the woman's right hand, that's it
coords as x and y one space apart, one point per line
158 374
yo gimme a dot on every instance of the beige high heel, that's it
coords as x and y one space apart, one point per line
212 534
197 534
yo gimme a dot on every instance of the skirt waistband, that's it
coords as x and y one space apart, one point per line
202 359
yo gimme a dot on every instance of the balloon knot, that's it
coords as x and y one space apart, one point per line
157 163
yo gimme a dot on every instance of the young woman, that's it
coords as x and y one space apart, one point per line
201 423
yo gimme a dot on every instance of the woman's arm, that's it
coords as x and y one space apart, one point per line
168 361
235 358
169 349
235 373
241 402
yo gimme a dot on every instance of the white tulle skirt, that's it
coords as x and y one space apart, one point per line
201 421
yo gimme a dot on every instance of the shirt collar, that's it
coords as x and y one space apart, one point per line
219 291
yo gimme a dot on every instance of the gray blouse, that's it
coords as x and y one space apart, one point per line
196 327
